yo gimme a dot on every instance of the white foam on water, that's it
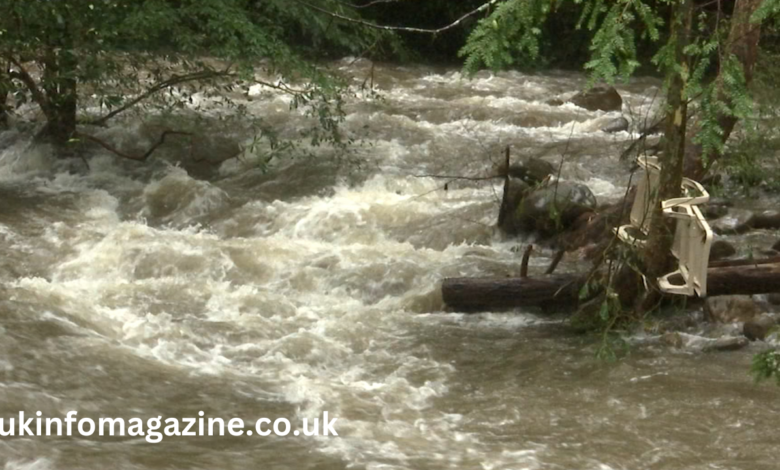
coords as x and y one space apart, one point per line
317 298
36 464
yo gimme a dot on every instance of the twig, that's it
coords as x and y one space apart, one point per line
554 263
479 9
453 178
369 4
29 82
173 80
524 262
140 158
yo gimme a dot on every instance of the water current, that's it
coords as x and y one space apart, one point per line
141 290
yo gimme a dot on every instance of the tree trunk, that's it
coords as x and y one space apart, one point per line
5 91
60 86
743 44
657 255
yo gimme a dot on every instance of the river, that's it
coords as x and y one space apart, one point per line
134 290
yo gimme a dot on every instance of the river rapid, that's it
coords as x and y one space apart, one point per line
139 290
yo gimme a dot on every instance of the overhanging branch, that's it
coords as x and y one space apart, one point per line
140 158
172 81
24 76
455 23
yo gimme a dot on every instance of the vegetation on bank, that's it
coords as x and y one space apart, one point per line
84 63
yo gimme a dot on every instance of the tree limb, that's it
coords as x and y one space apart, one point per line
24 76
140 158
479 9
524 262
554 263
174 80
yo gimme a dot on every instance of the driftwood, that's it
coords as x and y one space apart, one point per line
483 294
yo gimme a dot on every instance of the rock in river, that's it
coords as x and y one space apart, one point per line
616 125
553 207
599 98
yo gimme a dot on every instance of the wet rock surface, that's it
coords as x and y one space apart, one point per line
553 207
759 328
690 342
721 249
769 219
599 98
735 221
715 210
731 308
616 125
532 170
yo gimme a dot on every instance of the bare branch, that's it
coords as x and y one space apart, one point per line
467 178
554 263
24 76
479 9
140 158
524 262
369 4
172 81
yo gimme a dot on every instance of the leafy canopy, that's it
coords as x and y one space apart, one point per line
122 54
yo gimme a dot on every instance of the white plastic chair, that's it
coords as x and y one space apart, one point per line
692 242
692 237
645 199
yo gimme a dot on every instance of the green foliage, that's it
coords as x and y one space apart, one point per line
766 366
513 27
767 9
511 32
752 158
156 55
613 46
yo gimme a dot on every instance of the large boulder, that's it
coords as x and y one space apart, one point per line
553 207
731 308
599 98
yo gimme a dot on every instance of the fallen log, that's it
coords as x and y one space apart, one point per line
481 294
560 291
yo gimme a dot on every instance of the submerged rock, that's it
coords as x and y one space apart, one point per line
743 220
766 220
699 343
759 328
721 249
714 210
532 170
616 125
735 221
599 98
731 343
776 246
731 308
